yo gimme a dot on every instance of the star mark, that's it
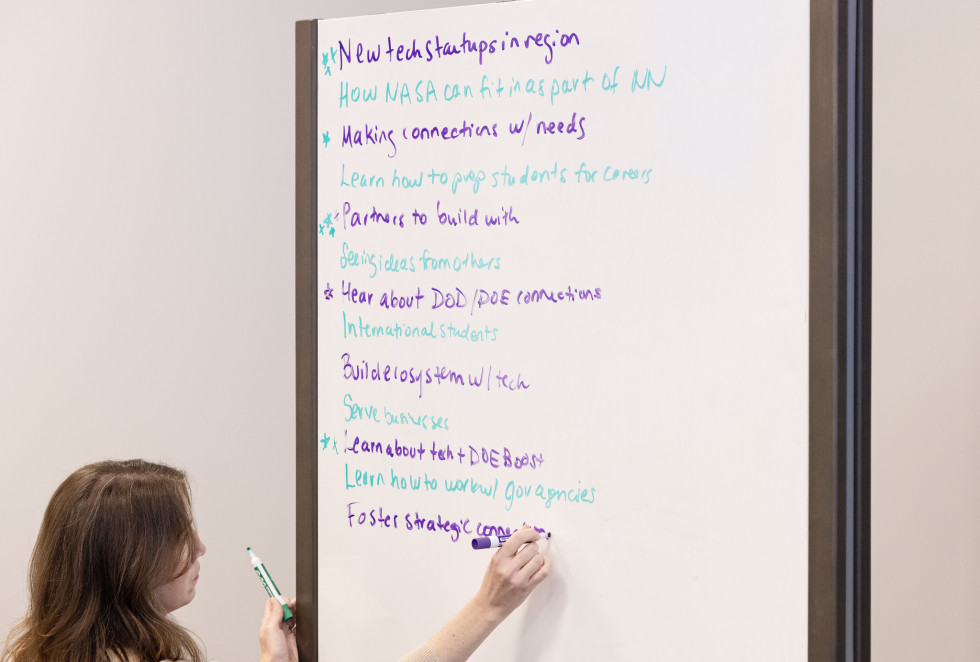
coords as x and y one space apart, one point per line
328 293
329 442
326 138
327 226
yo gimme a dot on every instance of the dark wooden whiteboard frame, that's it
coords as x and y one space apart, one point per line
839 340
840 330
306 339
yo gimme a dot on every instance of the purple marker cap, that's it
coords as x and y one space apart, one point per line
481 543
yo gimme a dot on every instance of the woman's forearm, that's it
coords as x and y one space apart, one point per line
514 571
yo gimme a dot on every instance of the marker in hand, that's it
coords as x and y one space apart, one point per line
270 586
497 541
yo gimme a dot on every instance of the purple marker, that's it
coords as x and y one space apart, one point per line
497 541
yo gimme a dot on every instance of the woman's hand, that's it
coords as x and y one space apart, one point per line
277 638
515 569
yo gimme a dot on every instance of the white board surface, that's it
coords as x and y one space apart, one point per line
592 220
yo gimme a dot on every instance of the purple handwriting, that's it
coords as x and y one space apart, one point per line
380 517
440 47
459 217
377 371
497 458
455 298
388 139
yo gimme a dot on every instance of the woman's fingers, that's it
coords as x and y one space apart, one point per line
525 553
528 566
525 558
273 610
277 638
517 540
541 572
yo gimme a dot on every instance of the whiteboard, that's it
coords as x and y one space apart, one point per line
562 276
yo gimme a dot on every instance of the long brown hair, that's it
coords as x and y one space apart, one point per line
113 532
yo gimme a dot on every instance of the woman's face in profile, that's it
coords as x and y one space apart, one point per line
180 590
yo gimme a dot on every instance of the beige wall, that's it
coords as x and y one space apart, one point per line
146 272
925 509
146 283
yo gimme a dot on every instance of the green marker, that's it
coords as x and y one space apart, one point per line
270 586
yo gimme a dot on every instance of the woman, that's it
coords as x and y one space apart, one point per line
118 551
